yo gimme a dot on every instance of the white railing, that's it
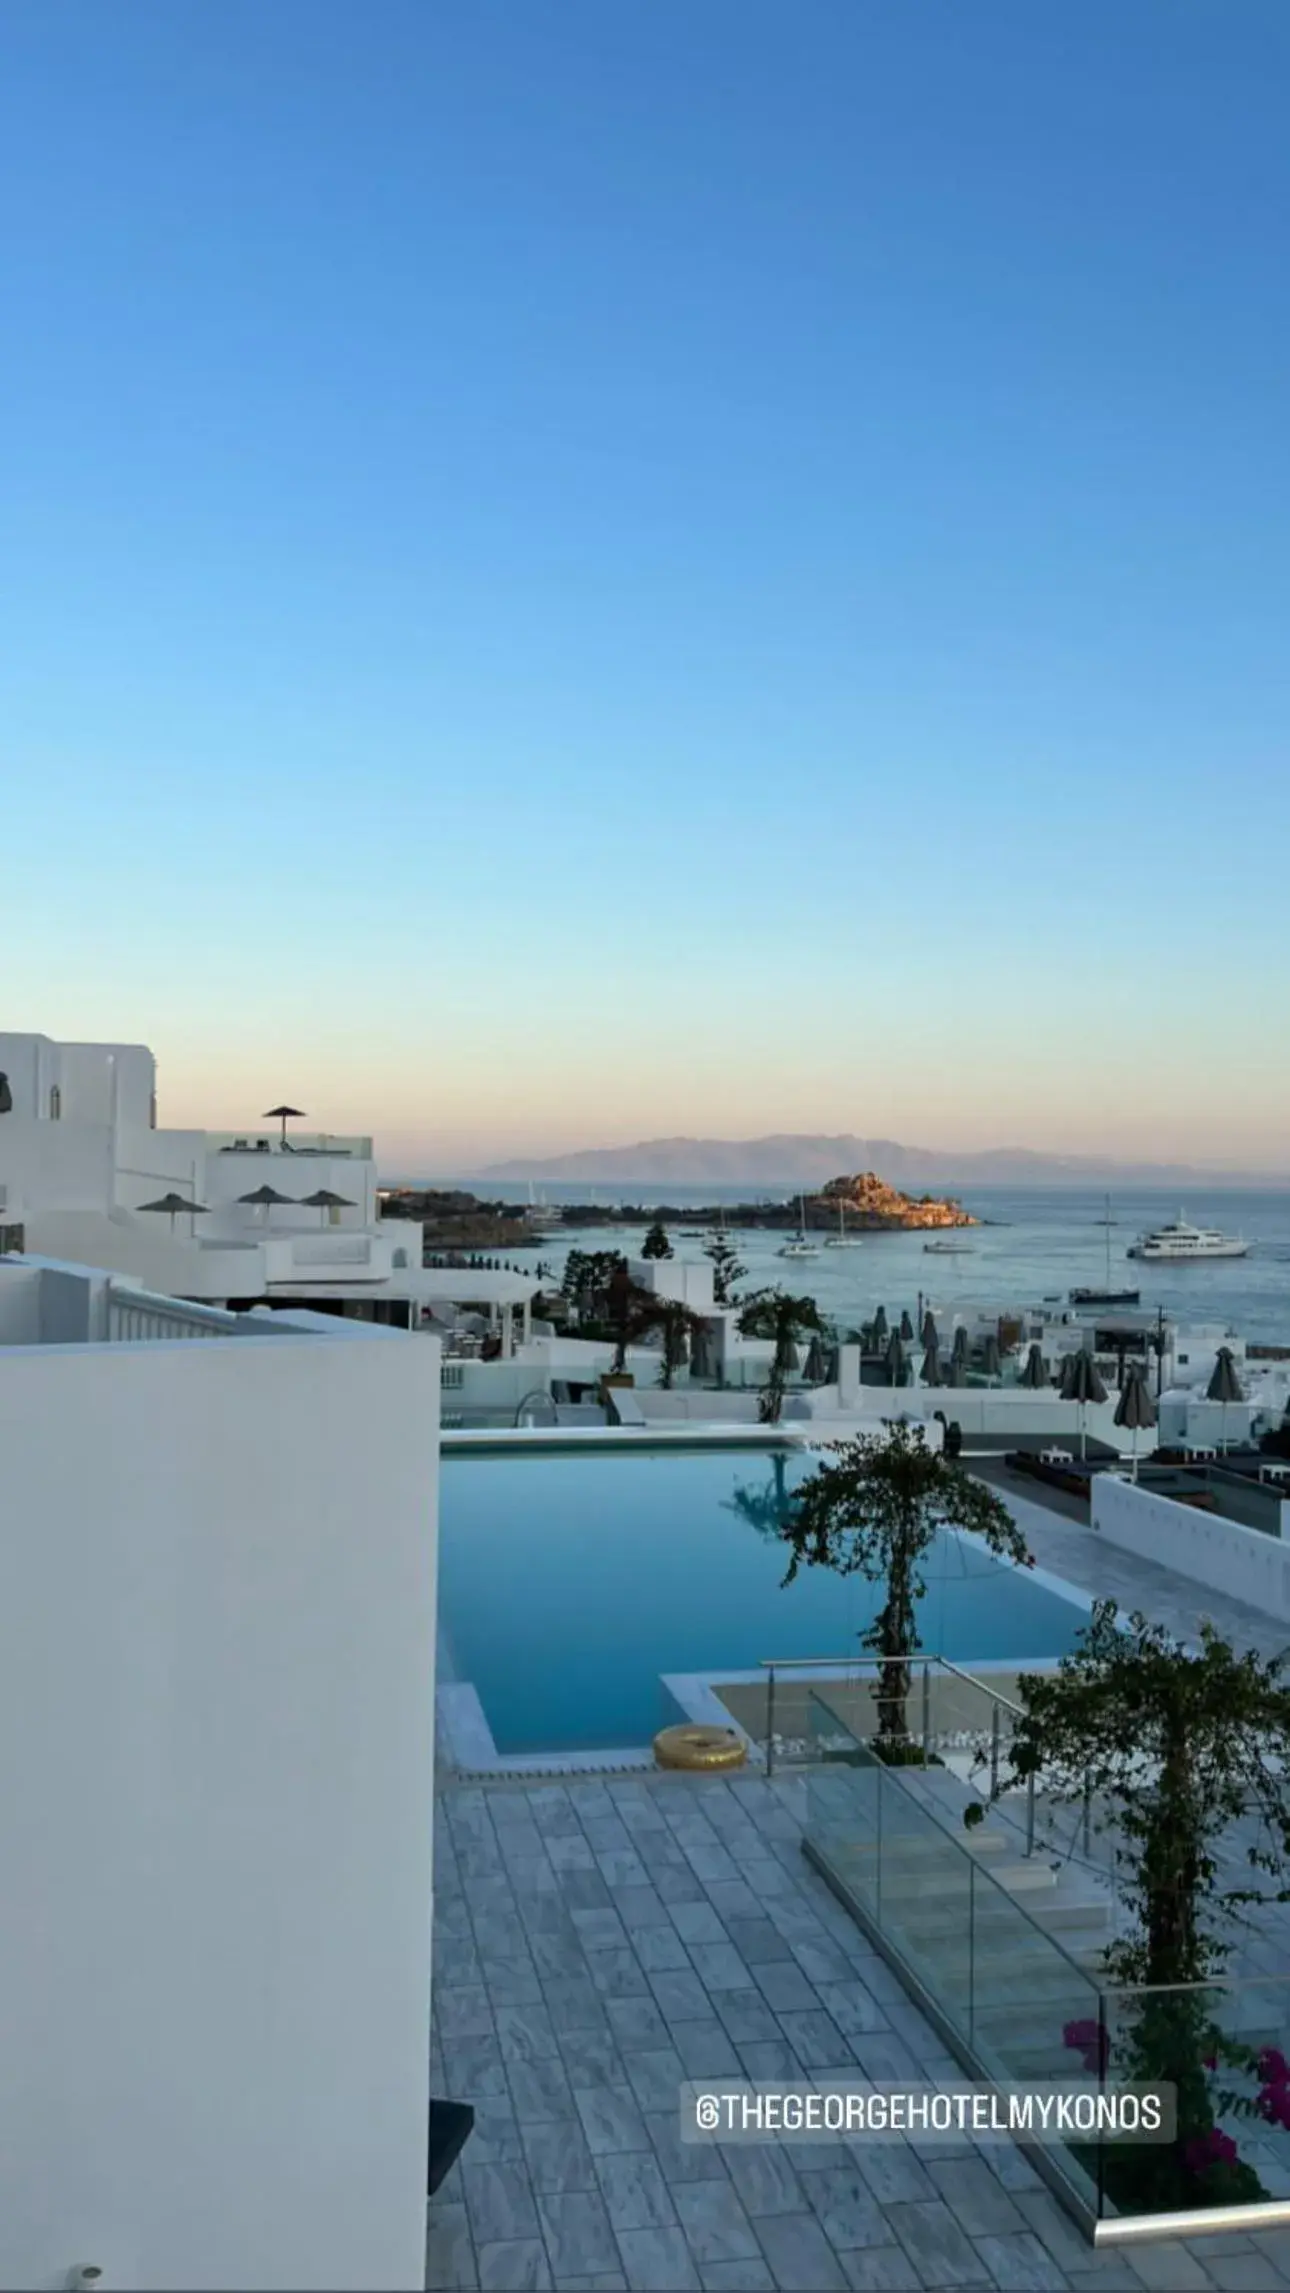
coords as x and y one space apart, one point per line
452 1376
133 1315
269 1141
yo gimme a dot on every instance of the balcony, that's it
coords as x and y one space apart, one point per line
262 1143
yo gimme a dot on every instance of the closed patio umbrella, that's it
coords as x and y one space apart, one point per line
1035 1373
880 1329
895 1359
1224 1386
930 1334
1081 1384
906 1328
284 1115
813 1367
959 1356
175 1206
931 1361
323 1199
990 1356
1135 1407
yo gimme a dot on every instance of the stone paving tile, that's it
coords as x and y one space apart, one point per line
1020 2264
636 2023
1169 2268
657 2261
705 2050
976 2198
736 2277
611 2120
660 1948
1245 2273
654 2076
516 2264
540 2090
555 2151
847 2209
499 2201
880 2269
635 2191
800 2256
764 2179
591 2057
938 2248
716 2227
578 2237
450 2255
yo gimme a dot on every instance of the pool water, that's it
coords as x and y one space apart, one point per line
569 1582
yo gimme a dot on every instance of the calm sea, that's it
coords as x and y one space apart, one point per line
1039 1243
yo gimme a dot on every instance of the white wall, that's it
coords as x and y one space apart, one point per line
1210 1550
679 1278
217 1632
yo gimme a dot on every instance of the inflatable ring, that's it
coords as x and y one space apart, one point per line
693 1746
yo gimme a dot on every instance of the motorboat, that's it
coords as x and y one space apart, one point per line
948 1249
1182 1244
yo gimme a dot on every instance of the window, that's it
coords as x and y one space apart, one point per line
1182 1361
55 1103
400 1258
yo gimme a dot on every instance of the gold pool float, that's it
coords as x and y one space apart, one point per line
694 1746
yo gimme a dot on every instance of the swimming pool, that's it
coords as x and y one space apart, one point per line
569 1581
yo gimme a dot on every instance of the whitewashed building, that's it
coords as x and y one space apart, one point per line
217 1667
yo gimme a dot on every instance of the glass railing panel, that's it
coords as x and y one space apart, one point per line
1225 2047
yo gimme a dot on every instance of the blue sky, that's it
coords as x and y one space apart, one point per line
579 572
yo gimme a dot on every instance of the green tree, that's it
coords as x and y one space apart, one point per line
1173 1747
630 1312
875 1510
677 1324
726 1268
776 1315
656 1244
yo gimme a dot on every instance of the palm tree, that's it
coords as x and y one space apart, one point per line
775 1314
726 1269
875 1512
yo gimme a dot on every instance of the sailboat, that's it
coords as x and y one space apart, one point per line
1106 1296
842 1240
801 1248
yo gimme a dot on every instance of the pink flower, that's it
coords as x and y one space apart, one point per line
1272 2067
1274 2105
1212 2149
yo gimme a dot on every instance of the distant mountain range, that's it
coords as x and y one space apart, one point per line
791 1159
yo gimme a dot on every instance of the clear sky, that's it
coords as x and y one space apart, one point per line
578 571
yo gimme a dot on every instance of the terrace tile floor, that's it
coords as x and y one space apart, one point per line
596 1942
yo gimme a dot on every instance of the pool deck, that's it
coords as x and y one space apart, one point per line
595 1944
597 1941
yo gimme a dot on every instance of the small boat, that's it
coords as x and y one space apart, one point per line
842 1240
1182 1244
948 1249
801 1248
1105 1297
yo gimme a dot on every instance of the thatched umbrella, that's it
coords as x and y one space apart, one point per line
1224 1386
1081 1384
175 1206
1135 1407
266 1198
284 1115
323 1199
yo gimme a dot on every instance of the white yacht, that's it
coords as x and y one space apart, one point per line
842 1240
801 1248
1181 1243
